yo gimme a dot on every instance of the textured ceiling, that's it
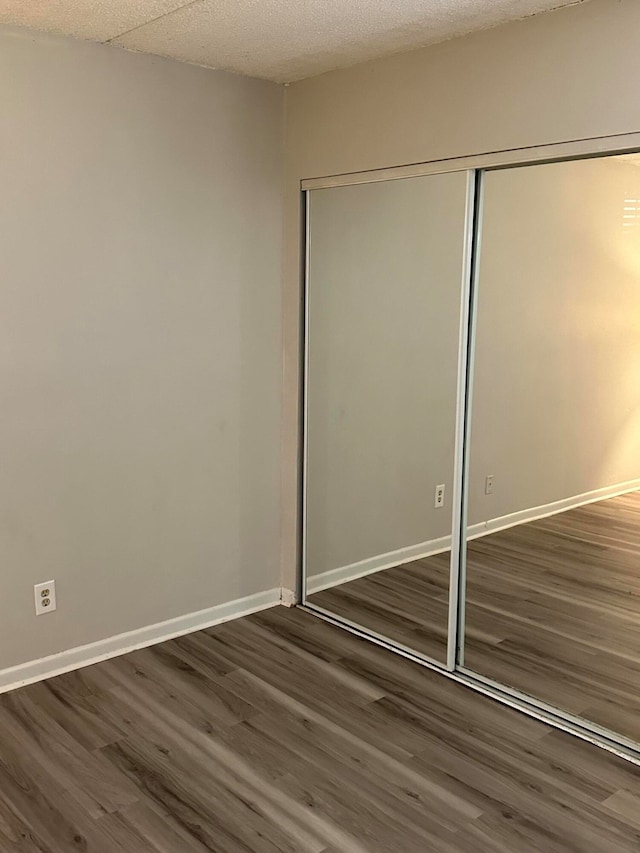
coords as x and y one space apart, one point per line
280 40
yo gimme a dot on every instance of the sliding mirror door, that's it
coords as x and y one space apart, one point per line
385 307
553 557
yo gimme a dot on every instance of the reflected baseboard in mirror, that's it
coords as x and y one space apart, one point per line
407 604
553 610
385 301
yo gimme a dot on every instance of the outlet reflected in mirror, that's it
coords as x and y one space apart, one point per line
384 303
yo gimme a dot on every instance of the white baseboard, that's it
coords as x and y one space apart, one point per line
80 656
334 577
56 664
537 512
288 597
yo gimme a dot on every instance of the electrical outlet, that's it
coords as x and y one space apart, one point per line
439 501
488 484
45 597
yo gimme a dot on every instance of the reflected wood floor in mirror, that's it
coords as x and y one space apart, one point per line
553 609
408 604
279 732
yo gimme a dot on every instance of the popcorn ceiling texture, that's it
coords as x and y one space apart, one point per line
97 20
281 40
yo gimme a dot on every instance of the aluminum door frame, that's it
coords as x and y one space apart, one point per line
475 166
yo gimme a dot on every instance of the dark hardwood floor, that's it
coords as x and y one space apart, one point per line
552 609
408 604
278 732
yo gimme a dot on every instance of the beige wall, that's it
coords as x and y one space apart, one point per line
140 314
566 75
556 396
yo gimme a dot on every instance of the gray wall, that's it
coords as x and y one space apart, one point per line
556 398
567 75
140 367
384 308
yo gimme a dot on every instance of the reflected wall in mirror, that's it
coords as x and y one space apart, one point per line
553 561
385 279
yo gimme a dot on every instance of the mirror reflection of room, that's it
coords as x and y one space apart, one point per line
553 558
384 305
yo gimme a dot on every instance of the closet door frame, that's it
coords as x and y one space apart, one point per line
475 166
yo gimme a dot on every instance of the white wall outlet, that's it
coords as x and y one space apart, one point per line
45 597
488 484
439 501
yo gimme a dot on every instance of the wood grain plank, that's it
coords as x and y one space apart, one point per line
295 737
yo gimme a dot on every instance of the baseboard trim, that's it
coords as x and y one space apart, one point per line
493 525
288 597
140 638
334 577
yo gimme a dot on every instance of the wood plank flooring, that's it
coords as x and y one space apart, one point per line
408 604
278 732
553 609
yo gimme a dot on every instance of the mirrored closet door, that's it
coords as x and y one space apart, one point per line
474 499
552 606
386 309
